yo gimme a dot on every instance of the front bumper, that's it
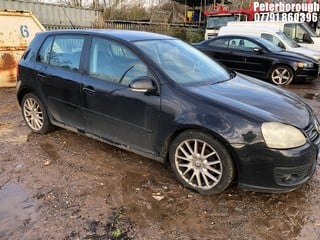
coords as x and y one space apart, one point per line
270 170
306 74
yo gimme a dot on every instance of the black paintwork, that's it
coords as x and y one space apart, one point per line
146 123
258 63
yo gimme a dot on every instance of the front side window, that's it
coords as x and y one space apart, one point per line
114 62
274 40
65 52
287 40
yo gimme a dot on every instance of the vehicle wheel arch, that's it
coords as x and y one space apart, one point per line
279 64
174 135
40 106
22 93
213 141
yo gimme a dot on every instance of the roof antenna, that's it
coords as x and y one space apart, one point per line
73 27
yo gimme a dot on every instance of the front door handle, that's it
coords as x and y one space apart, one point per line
88 90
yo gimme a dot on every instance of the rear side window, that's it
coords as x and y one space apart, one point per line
242 44
62 51
222 42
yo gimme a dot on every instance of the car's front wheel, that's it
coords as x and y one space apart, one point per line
201 162
281 75
35 114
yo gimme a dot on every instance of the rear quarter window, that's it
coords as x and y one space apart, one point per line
44 53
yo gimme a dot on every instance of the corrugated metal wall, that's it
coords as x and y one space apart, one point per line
53 14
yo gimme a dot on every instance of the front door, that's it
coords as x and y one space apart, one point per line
111 110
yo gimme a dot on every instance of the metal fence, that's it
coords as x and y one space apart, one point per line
55 17
54 14
151 26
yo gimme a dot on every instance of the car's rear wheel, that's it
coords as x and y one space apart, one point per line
201 162
35 114
281 75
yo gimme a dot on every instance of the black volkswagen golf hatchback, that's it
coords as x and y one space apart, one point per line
257 57
164 99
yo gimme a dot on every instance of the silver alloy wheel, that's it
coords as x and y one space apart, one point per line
198 163
281 76
33 114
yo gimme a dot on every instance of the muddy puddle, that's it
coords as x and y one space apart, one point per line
17 209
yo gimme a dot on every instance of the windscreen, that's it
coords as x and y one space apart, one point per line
215 22
183 63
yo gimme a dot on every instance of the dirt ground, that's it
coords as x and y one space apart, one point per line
68 186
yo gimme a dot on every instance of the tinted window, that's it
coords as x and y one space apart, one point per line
114 62
222 42
66 52
270 46
44 53
236 43
243 44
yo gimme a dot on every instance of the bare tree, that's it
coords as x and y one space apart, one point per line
72 3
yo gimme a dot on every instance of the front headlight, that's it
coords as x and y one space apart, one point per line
282 136
304 64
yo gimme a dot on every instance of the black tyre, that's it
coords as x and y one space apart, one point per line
35 114
201 162
281 75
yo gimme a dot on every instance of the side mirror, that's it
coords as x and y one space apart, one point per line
307 38
143 84
281 45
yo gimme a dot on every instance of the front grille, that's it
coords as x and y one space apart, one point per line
312 133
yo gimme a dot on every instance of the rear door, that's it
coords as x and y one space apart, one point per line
111 110
58 64
219 49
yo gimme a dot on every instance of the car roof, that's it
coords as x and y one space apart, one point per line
252 37
254 27
126 35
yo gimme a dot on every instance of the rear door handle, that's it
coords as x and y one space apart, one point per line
41 75
88 90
